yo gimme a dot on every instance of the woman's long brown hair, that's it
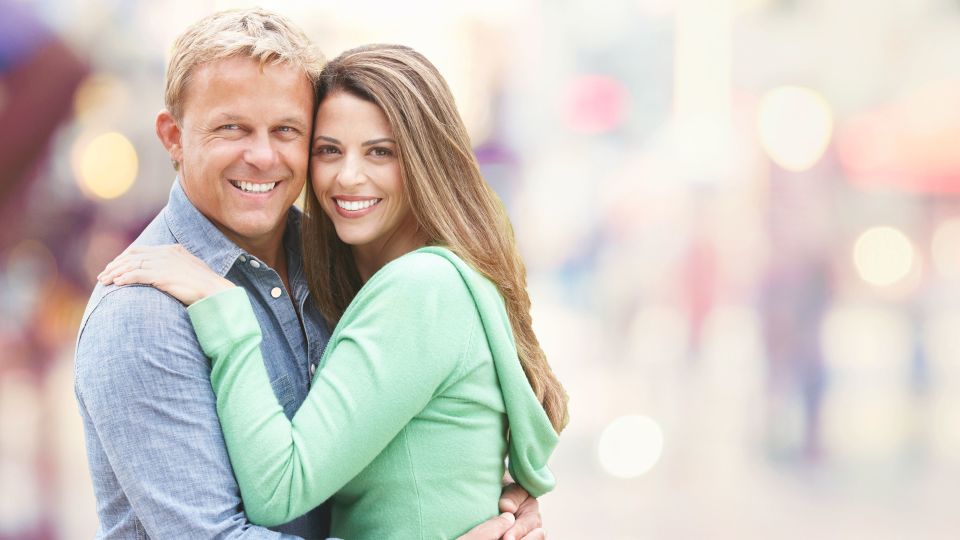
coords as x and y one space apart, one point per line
452 204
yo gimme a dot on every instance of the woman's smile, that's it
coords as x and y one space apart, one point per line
354 207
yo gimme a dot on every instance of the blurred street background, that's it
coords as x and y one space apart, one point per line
741 221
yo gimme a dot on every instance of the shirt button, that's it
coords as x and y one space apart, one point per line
276 292
255 264
243 259
313 369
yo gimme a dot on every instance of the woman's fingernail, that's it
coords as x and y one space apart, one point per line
508 516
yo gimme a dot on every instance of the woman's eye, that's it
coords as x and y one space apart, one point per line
326 150
381 152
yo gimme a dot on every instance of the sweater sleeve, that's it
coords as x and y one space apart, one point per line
390 354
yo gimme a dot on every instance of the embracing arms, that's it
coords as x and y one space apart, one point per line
300 478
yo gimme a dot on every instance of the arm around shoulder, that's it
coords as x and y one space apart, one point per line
143 383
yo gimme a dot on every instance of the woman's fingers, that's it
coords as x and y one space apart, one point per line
126 263
114 269
134 276
166 254
113 265
171 269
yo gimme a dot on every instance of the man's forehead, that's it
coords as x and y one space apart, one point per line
241 89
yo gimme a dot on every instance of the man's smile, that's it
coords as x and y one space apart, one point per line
254 187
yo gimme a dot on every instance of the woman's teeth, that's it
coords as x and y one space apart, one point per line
353 206
250 187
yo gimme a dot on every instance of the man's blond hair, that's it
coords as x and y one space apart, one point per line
255 33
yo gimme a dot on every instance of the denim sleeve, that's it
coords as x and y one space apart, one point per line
145 385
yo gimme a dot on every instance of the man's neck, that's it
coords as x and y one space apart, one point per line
268 249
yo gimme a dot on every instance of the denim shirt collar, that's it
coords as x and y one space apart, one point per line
202 238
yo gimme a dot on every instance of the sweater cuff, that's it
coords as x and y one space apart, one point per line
222 320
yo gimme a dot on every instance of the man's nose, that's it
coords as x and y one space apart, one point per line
261 153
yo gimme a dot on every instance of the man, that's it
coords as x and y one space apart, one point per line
239 109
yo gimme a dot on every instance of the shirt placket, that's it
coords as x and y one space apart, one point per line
315 328
269 286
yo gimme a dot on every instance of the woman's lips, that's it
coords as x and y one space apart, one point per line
354 207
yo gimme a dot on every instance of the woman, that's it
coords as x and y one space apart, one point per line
411 256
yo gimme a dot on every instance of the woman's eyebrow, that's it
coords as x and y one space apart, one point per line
325 138
378 141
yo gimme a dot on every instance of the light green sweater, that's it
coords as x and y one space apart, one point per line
405 425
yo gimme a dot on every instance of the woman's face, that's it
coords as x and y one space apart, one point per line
356 174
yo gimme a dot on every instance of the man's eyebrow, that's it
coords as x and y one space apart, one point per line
227 117
287 120
293 121
378 141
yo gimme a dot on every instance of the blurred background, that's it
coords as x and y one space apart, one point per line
741 220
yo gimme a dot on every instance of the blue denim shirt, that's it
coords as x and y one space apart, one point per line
157 456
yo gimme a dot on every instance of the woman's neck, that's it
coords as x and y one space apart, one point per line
370 258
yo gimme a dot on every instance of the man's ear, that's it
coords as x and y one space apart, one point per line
168 130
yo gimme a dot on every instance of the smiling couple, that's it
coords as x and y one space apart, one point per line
361 370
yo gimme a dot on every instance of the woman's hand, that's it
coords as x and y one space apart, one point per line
171 268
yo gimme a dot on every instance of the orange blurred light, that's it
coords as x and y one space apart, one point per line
910 145
106 165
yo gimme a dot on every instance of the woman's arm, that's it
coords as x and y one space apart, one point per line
173 270
390 355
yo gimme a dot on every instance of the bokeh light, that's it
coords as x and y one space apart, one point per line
866 343
29 265
106 165
630 446
596 104
945 248
883 256
795 126
97 93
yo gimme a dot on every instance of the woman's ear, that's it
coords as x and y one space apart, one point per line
168 130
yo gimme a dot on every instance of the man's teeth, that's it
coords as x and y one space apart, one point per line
353 206
250 187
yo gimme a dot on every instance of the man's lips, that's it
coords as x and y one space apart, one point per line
254 187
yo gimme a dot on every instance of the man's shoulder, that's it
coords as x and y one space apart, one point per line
112 308
156 232
130 316
111 297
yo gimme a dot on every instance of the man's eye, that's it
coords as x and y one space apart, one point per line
230 127
287 129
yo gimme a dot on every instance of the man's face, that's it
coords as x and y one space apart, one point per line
244 145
